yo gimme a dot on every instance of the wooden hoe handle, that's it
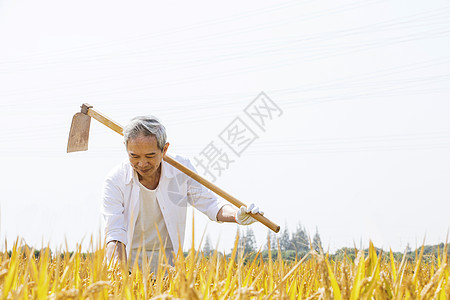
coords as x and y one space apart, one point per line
271 225
90 111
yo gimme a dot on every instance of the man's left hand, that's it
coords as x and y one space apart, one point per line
243 216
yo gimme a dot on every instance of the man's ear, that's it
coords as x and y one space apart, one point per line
166 146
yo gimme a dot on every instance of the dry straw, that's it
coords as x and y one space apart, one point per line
370 275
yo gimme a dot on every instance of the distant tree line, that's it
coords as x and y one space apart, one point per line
291 245
295 244
299 243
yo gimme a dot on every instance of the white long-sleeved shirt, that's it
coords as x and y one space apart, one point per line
175 190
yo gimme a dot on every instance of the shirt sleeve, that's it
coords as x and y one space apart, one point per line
113 211
202 198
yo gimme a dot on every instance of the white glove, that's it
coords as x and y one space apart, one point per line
244 218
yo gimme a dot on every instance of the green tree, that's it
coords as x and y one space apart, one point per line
207 247
249 241
285 239
299 241
272 239
317 243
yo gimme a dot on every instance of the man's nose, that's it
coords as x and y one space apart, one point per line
142 163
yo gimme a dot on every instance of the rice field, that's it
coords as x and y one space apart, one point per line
370 275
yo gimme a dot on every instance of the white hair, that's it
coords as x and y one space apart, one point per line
145 125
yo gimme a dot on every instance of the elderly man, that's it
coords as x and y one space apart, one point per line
145 199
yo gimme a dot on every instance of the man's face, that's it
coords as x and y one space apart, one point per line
144 155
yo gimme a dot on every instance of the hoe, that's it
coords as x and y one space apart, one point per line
79 137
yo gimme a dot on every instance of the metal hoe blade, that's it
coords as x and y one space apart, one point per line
79 133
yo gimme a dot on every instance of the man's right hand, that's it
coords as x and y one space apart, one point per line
116 251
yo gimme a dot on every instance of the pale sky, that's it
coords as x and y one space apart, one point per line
361 150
